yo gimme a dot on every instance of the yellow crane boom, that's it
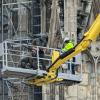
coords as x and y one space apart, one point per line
88 37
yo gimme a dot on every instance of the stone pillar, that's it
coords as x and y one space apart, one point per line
70 18
44 92
43 17
23 13
22 20
56 92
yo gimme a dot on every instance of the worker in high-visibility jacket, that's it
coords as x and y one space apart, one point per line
67 45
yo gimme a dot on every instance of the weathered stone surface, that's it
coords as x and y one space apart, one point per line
98 79
71 98
82 92
98 90
72 90
85 79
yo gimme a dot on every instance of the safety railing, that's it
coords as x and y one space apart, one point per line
24 55
20 55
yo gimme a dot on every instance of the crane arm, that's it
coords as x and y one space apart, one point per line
88 37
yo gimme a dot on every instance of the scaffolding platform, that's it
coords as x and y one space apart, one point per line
69 79
20 60
14 53
21 73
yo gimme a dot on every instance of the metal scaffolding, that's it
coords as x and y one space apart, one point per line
19 10
20 20
16 23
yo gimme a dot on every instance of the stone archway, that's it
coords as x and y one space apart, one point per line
94 76
89 61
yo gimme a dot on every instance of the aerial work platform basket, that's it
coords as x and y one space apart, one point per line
21 60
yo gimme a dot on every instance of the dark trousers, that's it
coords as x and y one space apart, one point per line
72 65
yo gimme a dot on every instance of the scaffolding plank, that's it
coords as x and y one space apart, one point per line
21 72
